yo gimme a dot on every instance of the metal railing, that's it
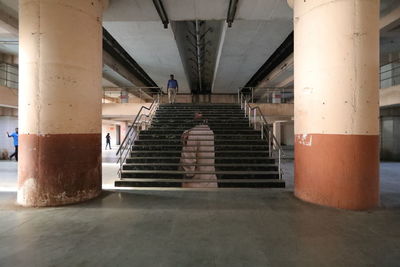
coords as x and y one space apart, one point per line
8 75
390 74
142 121
258 121
121 94
273 95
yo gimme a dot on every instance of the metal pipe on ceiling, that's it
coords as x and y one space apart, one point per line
231 12
198 55
161 12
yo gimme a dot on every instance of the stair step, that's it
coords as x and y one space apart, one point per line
200 110
230 160
243 152
205 107
178 136
222 183
199 164
191 125
216 142
216 146
210 120
218 154
218 167
226 131
199 172
189 116
222 158
214 129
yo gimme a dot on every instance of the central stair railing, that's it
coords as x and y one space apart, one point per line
142 121
258 121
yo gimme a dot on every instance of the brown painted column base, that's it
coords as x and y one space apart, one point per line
59 169
340 171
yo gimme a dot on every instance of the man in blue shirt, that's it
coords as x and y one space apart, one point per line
15 137
172 89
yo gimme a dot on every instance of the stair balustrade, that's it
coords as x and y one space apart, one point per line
253 113
141 122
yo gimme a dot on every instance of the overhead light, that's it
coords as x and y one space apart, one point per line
231 12
161 12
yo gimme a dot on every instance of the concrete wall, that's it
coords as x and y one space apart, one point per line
287 133
109 126
389 96
121 110
8 97
275 109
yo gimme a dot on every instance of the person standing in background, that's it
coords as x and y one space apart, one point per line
15 137
172 89
108 141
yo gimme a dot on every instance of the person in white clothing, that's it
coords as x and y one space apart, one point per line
198 156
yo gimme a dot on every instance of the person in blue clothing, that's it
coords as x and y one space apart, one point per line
172 89
15 137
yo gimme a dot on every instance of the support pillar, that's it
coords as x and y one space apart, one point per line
59 101
336 64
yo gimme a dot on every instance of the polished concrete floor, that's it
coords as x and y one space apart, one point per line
199 228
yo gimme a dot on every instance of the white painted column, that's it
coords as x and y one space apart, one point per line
60 101
336 64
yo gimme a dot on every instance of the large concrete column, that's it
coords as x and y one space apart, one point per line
59 101
336 60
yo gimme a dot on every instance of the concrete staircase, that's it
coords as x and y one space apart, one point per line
241 156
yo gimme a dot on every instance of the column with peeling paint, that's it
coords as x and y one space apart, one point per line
336 60
59 101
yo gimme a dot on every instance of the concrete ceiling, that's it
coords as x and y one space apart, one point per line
8 27
247 45
258 30
152 47
143 10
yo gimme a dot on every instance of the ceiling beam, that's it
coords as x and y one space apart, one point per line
275 73
121 70
158 4
286 82
113 51
390 21
8 21
283 52
230 17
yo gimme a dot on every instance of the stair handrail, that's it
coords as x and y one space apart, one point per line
272 140
126 146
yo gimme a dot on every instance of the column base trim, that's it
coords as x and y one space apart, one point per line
340 171
58 169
